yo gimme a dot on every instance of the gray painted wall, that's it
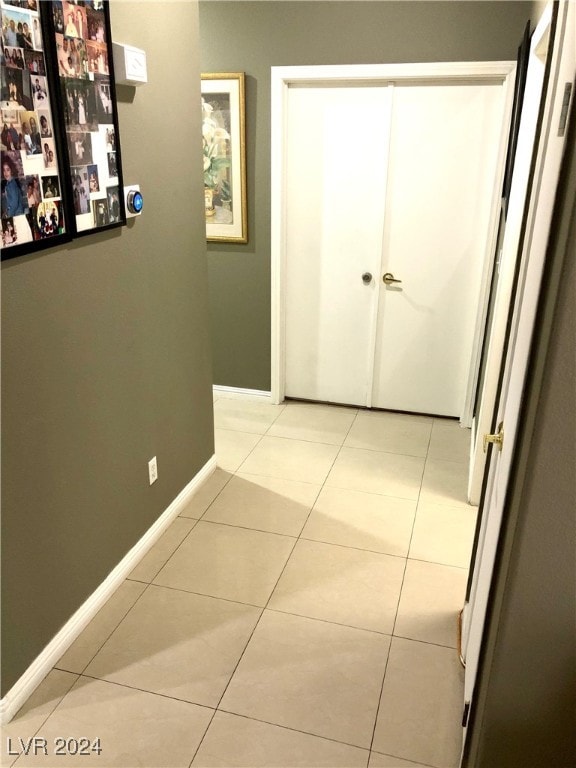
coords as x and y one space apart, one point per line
251 37
106 357
526 700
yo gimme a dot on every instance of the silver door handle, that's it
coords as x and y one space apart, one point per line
389 278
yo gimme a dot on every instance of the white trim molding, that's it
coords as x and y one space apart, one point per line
234 393
282 78
45 661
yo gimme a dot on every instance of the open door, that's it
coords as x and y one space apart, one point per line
516 192
502 436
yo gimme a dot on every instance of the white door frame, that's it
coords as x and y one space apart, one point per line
547 170
508 258
284 77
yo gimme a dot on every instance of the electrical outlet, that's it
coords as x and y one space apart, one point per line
152 470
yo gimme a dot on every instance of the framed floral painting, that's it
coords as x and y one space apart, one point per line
223 138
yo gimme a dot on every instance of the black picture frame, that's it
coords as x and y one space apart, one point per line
83 64
35 211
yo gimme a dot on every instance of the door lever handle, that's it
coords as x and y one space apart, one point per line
389 278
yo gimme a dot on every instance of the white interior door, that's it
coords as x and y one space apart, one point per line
444 151
539 216
353 206
508 257
335 181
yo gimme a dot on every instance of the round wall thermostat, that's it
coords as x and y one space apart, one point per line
134 201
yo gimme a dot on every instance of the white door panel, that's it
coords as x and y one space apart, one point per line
379 183
507 263
444 150
336 180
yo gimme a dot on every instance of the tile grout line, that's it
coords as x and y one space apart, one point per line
418 502
340 447
256 624
410 543
124 616
380 699
400 593
378 552
196 521
295 730
328 621
202 739
219 492
49 715
350 546
323 483
260 437
397 757
204 594
247 528
269 597
300 538
145 690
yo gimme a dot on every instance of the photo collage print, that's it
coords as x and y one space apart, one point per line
31 186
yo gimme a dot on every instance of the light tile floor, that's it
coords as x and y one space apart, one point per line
302 610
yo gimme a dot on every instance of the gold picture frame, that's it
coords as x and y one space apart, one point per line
224 156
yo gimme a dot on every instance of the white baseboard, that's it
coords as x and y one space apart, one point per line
44 662
234 393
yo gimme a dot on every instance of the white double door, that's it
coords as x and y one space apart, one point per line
395 179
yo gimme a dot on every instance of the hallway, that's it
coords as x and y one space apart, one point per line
301 611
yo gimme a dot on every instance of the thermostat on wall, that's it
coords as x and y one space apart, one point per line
133 200
129 64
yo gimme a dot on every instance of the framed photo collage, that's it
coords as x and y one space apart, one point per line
60 153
